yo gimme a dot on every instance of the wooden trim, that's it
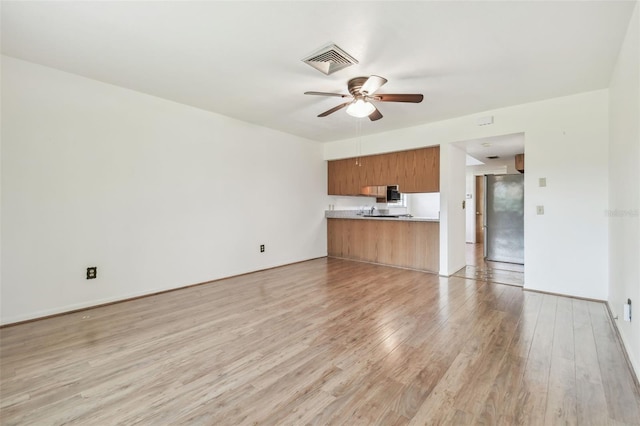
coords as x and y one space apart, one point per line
155 293
564 295
614 320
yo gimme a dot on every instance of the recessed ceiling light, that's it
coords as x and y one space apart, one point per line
493 157
486 144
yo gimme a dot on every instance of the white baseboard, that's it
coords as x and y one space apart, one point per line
633 365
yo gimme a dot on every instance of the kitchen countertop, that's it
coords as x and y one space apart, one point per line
352 214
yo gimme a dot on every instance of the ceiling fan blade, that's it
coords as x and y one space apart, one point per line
334 109
372 84
339 95
414 98
375 115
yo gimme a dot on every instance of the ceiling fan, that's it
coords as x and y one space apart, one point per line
363 91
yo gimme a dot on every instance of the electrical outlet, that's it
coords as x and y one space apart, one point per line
92 272
261 248
540 210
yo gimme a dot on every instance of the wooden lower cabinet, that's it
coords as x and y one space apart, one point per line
408 244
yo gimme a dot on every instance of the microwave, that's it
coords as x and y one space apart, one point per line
393 194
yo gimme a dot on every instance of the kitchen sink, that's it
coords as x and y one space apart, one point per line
382 215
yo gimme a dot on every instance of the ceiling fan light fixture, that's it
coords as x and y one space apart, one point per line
360 108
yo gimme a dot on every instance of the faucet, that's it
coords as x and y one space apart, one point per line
372 209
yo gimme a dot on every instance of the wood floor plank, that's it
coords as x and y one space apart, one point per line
562 392
532 394
328 341
620 391
590 396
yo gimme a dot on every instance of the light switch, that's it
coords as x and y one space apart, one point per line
542 182
627 310
540 210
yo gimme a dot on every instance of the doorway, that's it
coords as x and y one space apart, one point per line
488 156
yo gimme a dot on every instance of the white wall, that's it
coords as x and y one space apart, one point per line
452 212
566 250
624 188
156 194
424 204
342 202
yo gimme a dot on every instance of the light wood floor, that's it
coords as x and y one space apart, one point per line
475 257
496 272
327 341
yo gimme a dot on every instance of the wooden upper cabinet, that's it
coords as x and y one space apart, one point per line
356 174
520 163
333 187
406 166
373 164
428 167
344 177
417 170
337 177
391 168
420 170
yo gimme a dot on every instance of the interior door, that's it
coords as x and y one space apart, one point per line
504 218
479 209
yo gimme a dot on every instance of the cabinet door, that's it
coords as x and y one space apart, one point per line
391 168
430 179
405 171
344 177
421 170
366 171
333 178
338 177
354 176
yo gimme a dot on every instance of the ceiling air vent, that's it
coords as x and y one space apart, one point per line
330 59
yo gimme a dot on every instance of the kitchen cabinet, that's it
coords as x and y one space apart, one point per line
369 169
344 177
421 171
377 191
414 171
520 163
407 244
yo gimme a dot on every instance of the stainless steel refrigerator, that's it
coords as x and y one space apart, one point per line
504 218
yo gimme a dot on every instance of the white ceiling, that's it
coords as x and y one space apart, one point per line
505 146
243 59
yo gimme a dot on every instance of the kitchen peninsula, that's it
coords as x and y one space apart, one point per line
404 241
407 242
